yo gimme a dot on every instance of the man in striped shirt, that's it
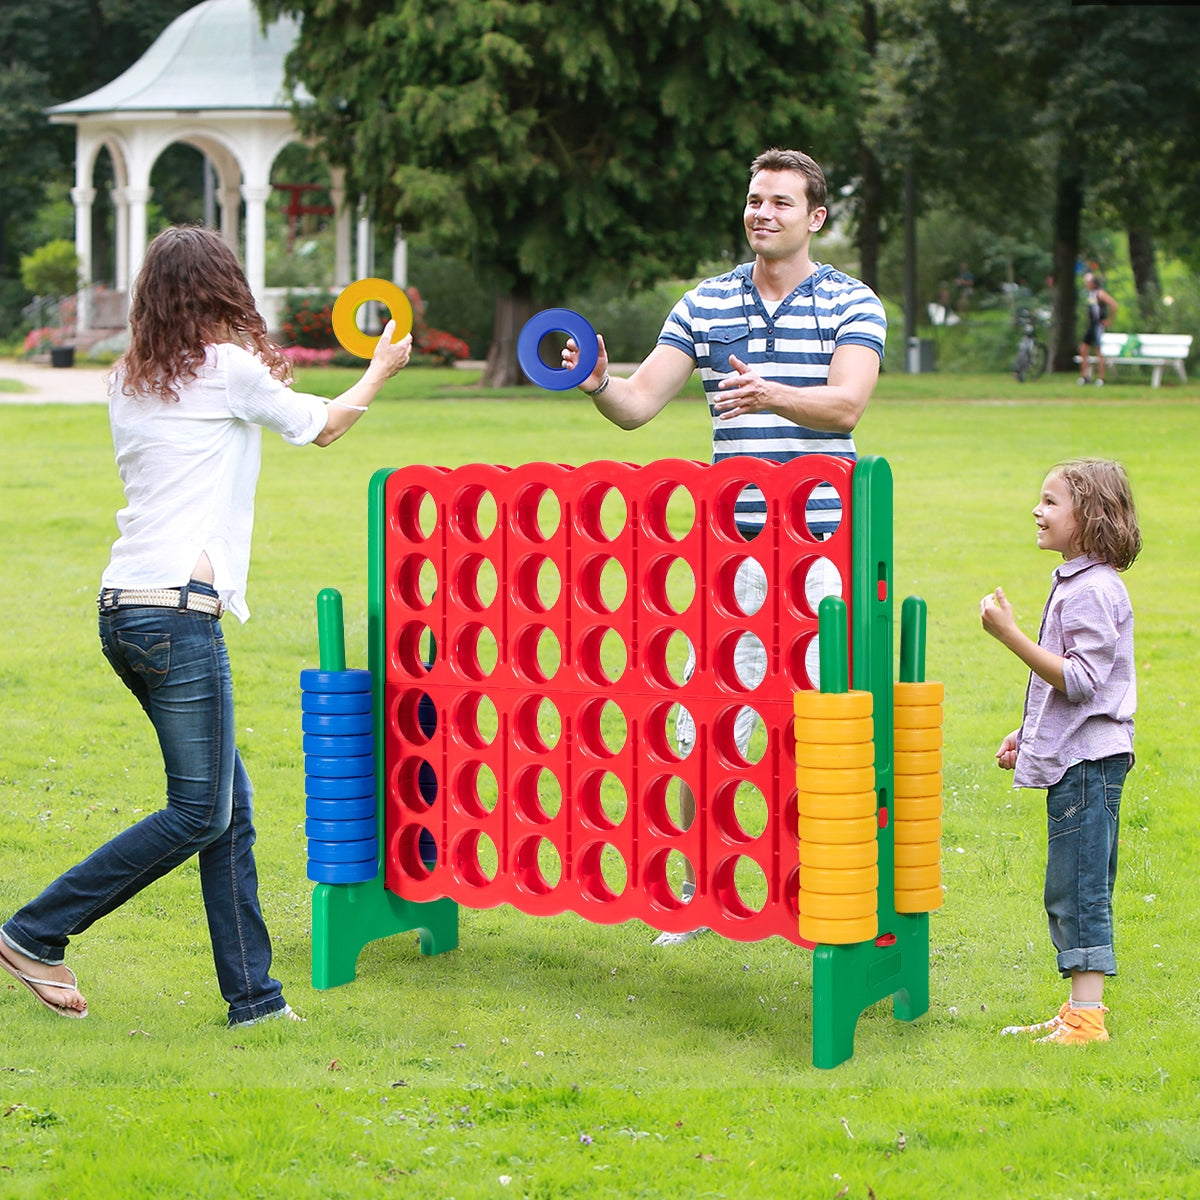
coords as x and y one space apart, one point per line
789 352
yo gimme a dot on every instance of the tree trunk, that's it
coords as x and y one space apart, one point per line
871 191
511 311
1068 204
1145 271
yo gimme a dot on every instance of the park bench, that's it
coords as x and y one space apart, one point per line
1153 350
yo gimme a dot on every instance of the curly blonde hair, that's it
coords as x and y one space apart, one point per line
1104 512
190 293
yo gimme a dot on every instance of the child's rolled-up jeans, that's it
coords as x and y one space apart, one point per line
1083 817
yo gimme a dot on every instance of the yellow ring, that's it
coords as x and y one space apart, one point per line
346 306
841 906
830 880
918 901
838 933
915 741
918 693
835 781
839 856
824 706
913 879
838 831
837 755
917 854
844 806
916 808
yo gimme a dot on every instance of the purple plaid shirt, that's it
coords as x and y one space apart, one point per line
1089 621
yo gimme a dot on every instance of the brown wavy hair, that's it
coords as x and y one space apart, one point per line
190 293
1105 517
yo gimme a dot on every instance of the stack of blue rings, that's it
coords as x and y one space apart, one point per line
339 776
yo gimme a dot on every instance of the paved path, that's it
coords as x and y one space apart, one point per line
54 385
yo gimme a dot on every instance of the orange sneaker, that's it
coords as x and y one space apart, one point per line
1042 1026
1079 1025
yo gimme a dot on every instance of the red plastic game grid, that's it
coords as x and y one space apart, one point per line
455 615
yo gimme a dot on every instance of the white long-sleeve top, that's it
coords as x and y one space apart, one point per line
190 470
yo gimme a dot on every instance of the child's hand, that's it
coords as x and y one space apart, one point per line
1006 756
997 615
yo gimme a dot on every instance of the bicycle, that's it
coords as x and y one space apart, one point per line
1031 351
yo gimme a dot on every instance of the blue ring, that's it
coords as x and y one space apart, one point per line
359 872
341 787
352 808
557 320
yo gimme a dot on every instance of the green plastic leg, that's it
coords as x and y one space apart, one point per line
346 916
849 979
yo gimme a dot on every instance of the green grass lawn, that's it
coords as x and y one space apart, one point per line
552 1058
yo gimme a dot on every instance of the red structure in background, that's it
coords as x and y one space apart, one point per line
529 589
295 209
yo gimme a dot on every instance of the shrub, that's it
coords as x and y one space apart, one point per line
433 347
307 321
305 356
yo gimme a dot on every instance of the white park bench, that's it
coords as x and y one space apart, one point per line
1153 350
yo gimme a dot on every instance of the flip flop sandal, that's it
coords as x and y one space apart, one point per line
33 984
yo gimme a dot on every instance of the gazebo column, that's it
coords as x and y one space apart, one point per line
230 199
121 249
342 222
83 198
400 261
137 198
256 196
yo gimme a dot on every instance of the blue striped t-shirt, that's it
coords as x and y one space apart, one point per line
725 315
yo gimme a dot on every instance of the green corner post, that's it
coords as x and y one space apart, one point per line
346 916
849 979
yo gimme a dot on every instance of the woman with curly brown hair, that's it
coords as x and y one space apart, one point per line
187 405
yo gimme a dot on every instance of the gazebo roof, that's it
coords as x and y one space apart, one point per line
214 56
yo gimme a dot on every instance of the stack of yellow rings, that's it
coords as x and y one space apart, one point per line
839 848
917 813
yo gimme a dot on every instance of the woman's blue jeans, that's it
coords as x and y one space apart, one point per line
1083 814
177 666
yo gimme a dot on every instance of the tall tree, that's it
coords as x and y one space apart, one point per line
560 143
50 51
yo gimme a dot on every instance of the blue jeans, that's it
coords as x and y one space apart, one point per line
1083 812
177 666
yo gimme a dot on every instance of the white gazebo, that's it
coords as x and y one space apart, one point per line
213 79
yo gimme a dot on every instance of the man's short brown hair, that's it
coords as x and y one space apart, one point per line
776 159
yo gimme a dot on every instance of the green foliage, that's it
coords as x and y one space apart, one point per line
52 269
308 321
552 149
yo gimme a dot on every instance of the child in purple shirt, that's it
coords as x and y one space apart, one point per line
1076 735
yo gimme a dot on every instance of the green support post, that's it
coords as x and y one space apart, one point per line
849 979
346 916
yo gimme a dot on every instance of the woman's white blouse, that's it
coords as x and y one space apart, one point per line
190 469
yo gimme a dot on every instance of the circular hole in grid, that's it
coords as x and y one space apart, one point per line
740 660
738 501
603 800
740 735
668 655
537 513
740 886
475 651
537 654
814 509
664 875
804 661
475 582
473 513
416 717
537 723
602 583
476 721
601 512
663 805
740 810
602 728
416 851
670 731
416 581
603 875
414 648
537 865
791 893
538 794
473 858
812 580
416 514
741 585
669 585
603 655
416 783
670 511
538 583
475 789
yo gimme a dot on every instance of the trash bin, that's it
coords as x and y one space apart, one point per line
920 356
62 356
